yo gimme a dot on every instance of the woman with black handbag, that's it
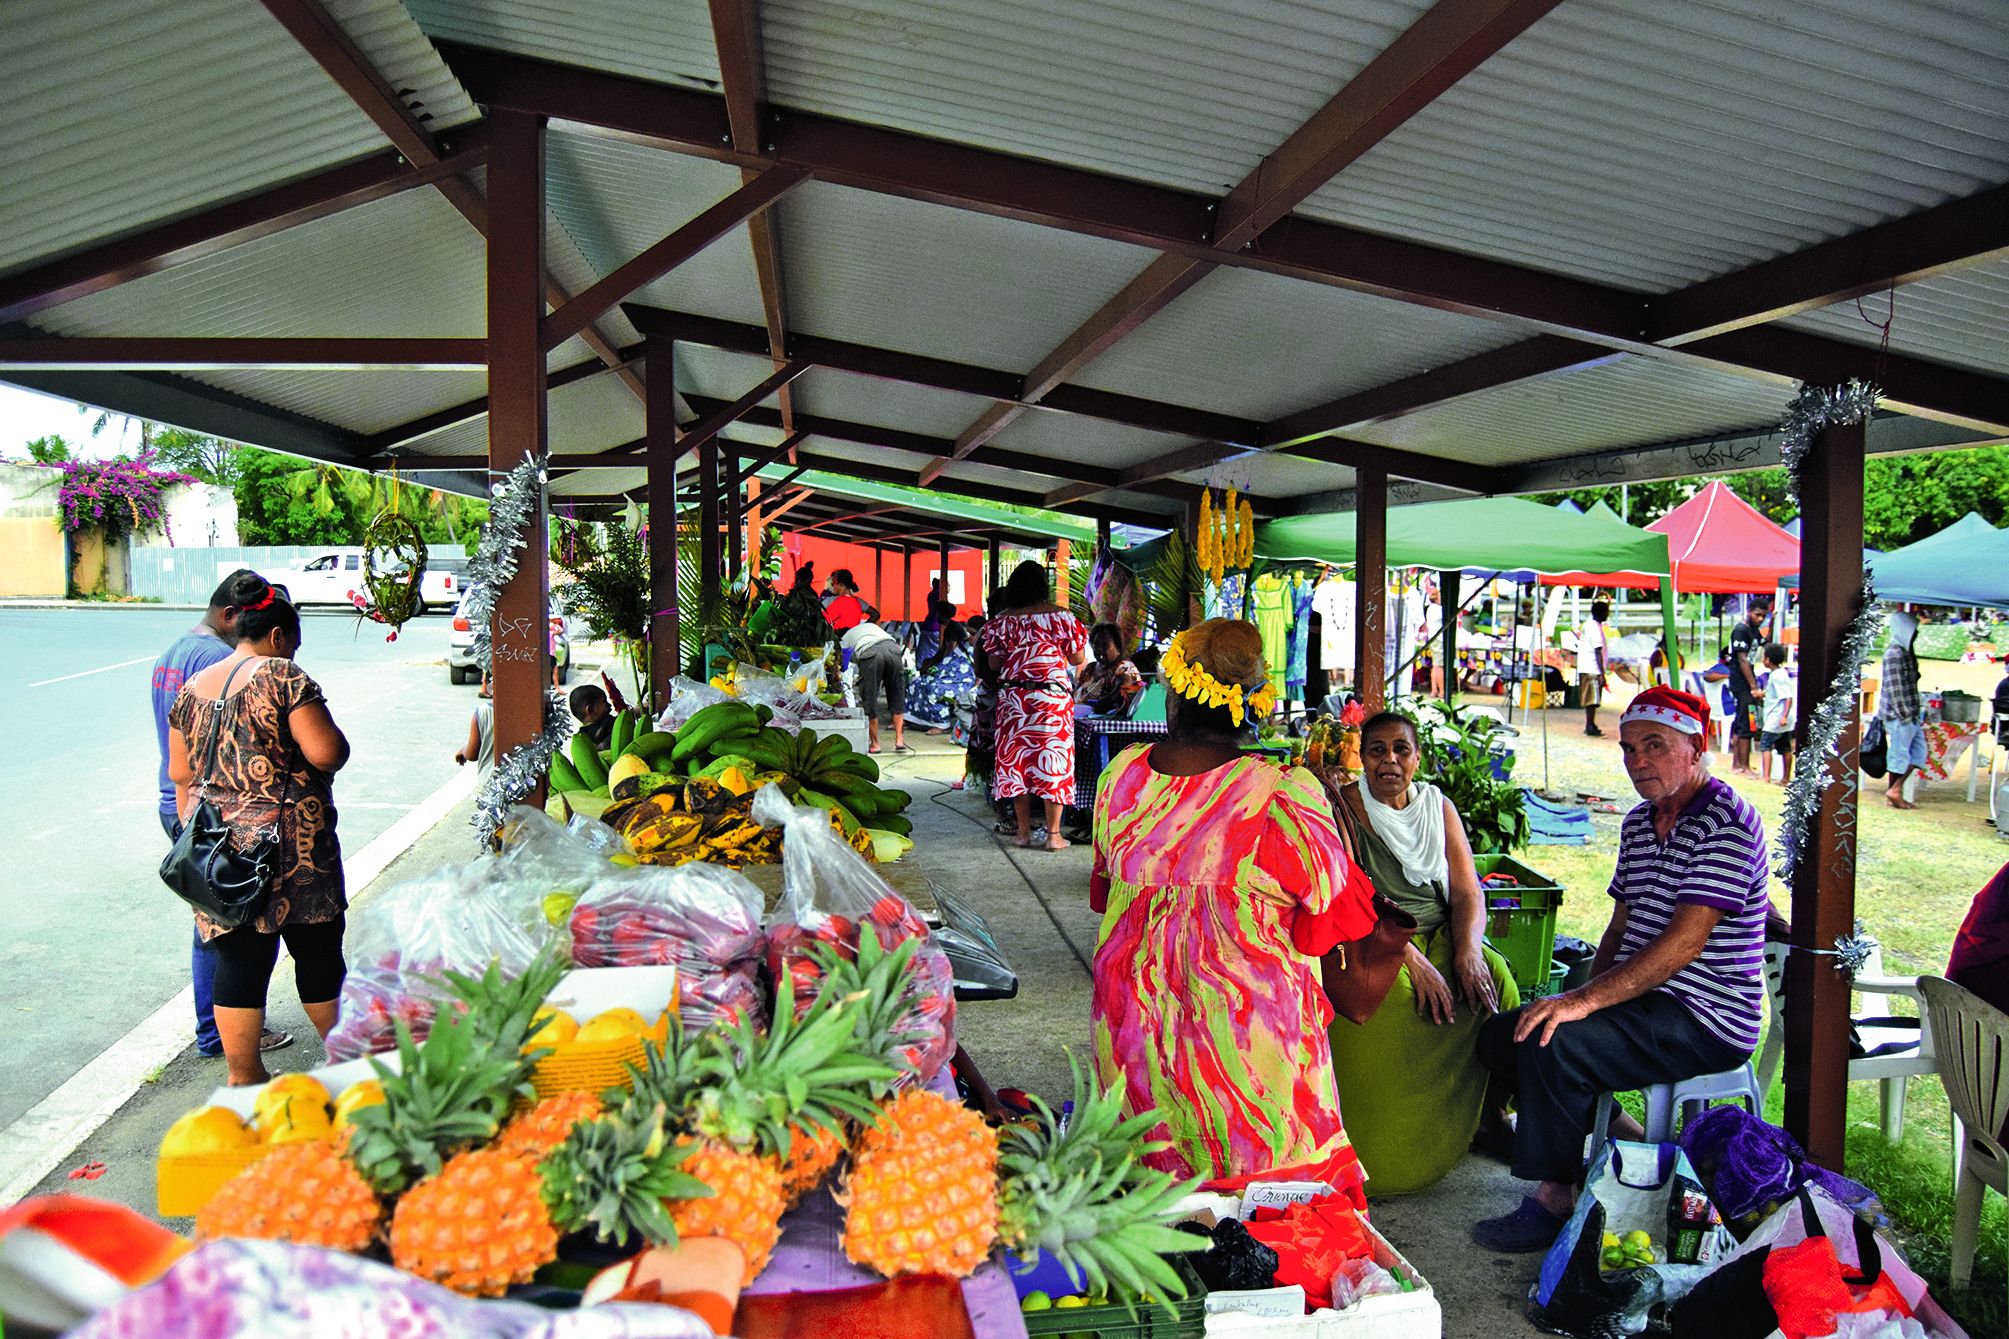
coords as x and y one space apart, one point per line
252 751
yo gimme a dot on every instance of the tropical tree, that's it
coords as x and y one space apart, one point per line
210 459
50 450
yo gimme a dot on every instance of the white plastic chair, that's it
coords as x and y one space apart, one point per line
1972 1039
1898 1051
1686 1097
1719 722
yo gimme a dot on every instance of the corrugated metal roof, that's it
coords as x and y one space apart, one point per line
120 116
1185 92
1261 346
669 41
1629 402
360 401
902 274
385 33
885 404
616 199
597 483
590 415
866 455
1274 475
404 265
1960 318
1655 143
1090 441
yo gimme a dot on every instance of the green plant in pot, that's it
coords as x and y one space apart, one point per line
1457 757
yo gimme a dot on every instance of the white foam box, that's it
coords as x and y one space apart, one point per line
849 728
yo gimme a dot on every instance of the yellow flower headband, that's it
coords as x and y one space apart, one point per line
1193 682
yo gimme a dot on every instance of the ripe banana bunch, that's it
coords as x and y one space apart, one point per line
632 750
697 820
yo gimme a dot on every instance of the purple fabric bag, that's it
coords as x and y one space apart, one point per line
1752 1167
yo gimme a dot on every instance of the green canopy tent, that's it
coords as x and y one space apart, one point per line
1501 534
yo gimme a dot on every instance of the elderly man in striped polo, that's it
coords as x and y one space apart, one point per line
1676 989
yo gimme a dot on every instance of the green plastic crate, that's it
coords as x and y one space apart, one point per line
1115 1321
1524 933
1559 975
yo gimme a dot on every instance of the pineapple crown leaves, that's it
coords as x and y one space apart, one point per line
503 1008
880 981
449 1093
612 1174
669 1075
808 1072
1084 1195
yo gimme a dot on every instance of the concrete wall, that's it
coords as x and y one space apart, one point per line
187 574
33 561
198 515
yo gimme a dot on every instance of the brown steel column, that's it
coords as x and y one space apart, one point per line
995 574
522 637
1824 893
1447 608
945 578
728 476
665 639
1370 591
907 582
711 559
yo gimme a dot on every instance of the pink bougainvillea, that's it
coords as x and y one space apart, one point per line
115 497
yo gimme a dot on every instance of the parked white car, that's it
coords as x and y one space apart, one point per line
460 666
333 576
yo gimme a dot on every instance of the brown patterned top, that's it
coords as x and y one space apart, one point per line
245 784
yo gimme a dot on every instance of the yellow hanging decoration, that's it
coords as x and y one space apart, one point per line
1248 534
1231 517
1223 555
1203 550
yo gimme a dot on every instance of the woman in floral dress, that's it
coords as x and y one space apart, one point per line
946 687
1224 880
1031 649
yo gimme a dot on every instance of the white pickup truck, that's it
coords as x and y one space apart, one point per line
331 577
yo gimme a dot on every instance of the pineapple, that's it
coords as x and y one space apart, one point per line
1082 1195
756 1090
492 1217
478 1226
921 1196
878 983
308 1194
544 1126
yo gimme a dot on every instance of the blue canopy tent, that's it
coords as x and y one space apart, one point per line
1965 564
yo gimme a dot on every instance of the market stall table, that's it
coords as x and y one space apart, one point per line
1945 741
1097 739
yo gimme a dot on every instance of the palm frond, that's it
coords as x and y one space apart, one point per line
1172 587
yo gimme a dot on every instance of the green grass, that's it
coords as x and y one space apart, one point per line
1917 873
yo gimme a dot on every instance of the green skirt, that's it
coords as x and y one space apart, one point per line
1410 1090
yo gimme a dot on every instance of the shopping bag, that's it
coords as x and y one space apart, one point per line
1628 1190
1737 1299
1874 752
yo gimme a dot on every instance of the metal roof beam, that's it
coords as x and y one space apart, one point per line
720 420
1918 246
165 398
1929 390
743 82
1447 42
247 220
757 195
758 459
187 353
468 410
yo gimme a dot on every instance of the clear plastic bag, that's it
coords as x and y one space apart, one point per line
702 919
688 697
537 848
830 895
1361 1277
458 918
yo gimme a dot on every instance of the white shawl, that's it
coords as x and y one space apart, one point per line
1413 834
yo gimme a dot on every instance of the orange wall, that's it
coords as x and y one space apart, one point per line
878 573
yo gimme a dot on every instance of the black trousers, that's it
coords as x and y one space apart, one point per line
1647 1040
245 959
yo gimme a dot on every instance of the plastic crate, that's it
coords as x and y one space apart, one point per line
1558 979
1521 920
1144 1320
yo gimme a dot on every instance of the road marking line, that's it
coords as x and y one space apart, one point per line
53 1128
102 669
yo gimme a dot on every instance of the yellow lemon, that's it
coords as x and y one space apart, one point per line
205 1130
288 1086
362 1093
1070 1303
558 906
552 1027
1637 1240
615 1025
295 1120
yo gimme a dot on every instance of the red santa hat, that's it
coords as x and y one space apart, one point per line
1669 707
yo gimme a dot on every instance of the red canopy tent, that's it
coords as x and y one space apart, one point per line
1717 543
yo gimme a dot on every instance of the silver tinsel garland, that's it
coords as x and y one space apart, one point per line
518 497
1830 717
1813 409
521 770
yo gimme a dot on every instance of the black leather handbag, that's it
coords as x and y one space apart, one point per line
225 883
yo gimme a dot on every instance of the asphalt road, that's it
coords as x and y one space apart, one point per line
93 943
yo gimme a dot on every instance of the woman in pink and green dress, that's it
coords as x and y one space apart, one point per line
1223 879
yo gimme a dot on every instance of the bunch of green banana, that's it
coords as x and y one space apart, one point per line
632 749
720 729
827 772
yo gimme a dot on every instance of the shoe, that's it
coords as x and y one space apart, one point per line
956 785
1593 732
1526 1230
272 1039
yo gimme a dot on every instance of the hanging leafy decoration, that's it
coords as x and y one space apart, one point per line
394 569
